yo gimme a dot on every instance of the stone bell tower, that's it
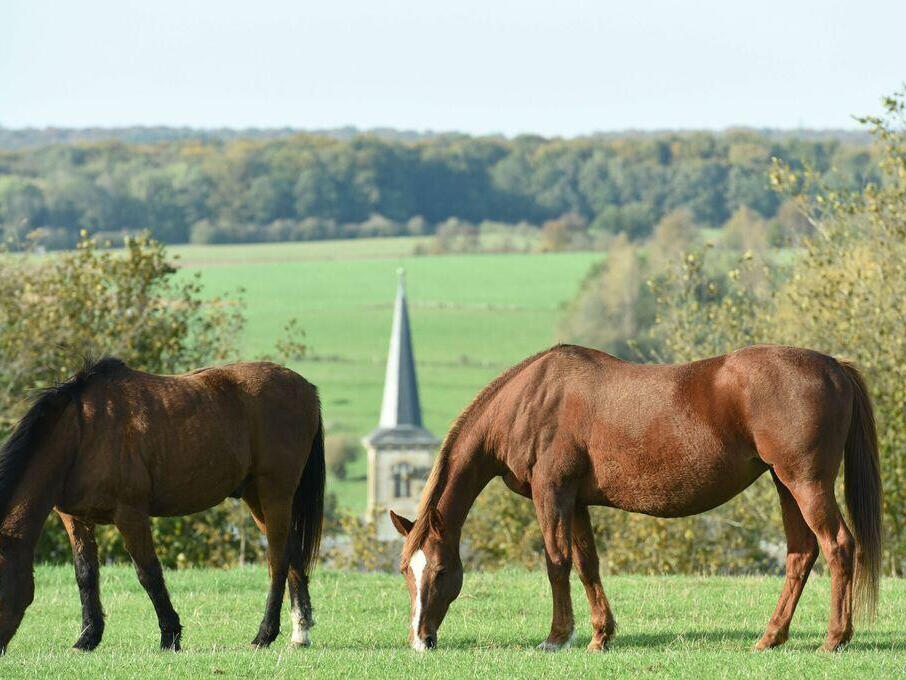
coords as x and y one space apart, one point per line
400 450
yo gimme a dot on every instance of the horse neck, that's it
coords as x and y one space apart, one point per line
39 489
468 471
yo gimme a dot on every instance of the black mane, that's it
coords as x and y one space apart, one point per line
16 451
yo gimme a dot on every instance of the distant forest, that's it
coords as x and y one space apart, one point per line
269 185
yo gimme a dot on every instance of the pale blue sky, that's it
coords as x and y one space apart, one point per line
562 67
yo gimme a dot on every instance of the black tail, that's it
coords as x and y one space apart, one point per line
862 481
308 503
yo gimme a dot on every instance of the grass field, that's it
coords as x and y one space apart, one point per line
472 316
668 627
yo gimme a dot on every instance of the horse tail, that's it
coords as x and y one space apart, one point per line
862 480
308 503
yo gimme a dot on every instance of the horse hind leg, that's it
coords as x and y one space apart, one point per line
801 553
300 601
276 511
585 557
135 528
822 514
87 572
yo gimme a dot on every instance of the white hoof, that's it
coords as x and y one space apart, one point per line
300 638
553 647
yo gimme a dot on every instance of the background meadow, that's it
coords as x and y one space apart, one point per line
472 316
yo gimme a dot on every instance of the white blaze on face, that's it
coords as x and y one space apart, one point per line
417 565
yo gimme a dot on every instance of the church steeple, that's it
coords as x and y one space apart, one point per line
400 405
400 449
401 413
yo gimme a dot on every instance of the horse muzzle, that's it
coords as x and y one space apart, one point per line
420 644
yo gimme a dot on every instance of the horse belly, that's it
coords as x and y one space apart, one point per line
197 480
674 488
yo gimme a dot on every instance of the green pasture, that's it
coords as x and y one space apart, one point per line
472 316
668 627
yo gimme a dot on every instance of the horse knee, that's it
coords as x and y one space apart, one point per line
559 564
841 552
799 563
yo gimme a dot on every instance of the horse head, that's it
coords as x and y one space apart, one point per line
433 572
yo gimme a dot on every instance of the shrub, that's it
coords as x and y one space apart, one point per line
339 451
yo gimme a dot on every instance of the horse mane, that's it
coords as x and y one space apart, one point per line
47 406
434 484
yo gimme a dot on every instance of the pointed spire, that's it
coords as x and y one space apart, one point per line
400 405
401 412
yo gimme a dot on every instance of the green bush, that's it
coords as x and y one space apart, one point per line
339 451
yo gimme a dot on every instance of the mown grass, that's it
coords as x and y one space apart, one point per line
472 316
668 627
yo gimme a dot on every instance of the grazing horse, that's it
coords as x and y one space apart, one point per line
115 445
572 427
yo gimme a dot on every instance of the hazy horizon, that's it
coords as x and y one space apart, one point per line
479 68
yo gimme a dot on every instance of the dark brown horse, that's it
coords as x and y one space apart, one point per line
114 445
572 427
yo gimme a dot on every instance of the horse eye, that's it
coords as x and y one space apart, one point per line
440 572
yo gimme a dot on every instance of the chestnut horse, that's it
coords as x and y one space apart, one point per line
114 445
572 427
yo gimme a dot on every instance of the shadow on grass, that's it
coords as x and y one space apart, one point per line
743 640
746 639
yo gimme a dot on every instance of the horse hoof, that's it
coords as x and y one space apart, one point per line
553 646
771 640
300 639
594 646
264 639
170 641
88 640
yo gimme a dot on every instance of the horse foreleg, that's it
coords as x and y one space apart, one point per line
801 553
585 556
277 511
135 527
87 572
555 515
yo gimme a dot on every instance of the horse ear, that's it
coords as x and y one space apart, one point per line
403 525
436 523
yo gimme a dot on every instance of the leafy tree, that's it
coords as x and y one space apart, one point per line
745 230
615 307
567 232
22 205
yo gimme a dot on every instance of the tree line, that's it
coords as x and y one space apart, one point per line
217 188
